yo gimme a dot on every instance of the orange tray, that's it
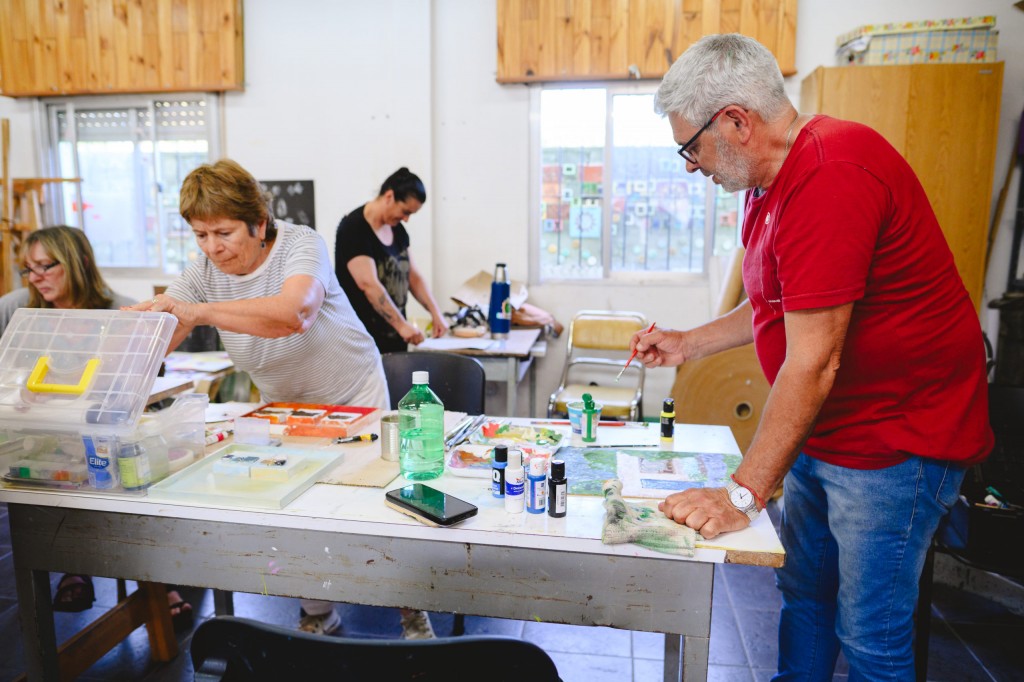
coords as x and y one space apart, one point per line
328 421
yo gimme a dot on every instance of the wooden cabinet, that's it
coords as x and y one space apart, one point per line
52 47
944 119
559 40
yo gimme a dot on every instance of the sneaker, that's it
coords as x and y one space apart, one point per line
323 624
416 625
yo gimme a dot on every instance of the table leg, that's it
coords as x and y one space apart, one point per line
223 603
36 613
512 386
686 658
533 388
673 657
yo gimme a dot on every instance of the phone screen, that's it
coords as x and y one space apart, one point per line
432 504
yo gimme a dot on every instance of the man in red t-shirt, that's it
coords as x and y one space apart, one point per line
868 338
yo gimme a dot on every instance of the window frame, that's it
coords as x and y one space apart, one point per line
626 277
48 136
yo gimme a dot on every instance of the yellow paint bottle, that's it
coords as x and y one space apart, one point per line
668 419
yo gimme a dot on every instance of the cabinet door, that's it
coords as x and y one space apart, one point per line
944 120
564 40
84 46
876 96
952 130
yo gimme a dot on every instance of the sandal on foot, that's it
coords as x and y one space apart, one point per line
74 594
183 619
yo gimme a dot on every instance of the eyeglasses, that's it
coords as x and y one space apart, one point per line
684 151
40 270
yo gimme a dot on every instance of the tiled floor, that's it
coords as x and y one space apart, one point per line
973 639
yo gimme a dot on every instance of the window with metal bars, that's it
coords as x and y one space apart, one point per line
614 198
131 154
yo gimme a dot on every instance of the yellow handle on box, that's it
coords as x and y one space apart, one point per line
37 378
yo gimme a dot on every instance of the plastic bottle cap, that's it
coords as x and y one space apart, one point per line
515 459
500 453
537 467
557 468
421 377
669 405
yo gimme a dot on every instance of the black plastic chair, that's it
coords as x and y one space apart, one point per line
458 380
229 649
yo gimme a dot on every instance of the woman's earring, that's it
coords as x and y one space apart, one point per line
263 243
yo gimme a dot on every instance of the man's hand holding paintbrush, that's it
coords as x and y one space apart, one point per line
670 348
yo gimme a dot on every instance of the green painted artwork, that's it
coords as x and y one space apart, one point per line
645 473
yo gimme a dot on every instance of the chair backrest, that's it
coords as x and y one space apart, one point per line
604 330
458 380
230 649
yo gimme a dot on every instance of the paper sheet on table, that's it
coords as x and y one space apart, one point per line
222 412
455 343
210 361
477 291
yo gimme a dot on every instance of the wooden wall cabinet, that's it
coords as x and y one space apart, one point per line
944 120
560 40
59 47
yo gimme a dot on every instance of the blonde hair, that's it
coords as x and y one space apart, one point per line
225 190
83 283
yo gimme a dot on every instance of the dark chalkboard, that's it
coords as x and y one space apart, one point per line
291 200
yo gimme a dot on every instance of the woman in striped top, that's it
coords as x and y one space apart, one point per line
269 289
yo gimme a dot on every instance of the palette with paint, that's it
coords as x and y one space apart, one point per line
476 460
502 433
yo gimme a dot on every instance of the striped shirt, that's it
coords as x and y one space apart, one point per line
330 363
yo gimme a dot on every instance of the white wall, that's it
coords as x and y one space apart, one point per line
344 93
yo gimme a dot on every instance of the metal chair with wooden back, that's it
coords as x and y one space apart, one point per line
596 349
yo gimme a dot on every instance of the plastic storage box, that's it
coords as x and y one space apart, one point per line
73 386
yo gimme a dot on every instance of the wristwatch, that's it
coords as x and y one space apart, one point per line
742 499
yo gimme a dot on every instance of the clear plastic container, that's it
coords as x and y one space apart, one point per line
421 431
73 386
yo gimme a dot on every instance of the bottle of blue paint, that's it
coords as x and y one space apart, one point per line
536 486
498 463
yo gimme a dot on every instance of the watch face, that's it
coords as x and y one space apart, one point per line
741 497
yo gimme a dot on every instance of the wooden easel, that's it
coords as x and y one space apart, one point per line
20 213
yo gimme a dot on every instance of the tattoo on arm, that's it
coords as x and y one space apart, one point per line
383 309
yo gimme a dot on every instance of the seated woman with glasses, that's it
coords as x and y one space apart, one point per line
61 271
60 267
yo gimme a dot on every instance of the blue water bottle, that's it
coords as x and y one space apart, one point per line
499 318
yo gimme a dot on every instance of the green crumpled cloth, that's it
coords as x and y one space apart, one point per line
642 525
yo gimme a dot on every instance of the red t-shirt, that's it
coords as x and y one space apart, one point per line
846 220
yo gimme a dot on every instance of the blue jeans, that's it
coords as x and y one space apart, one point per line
855 545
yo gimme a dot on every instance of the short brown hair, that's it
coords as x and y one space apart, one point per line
225 190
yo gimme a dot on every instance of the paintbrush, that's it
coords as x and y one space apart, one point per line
619 375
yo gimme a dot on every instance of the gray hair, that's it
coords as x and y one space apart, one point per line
719 70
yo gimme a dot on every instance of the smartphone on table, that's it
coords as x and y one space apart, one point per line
429 505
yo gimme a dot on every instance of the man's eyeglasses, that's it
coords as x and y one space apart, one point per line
684 151
40 270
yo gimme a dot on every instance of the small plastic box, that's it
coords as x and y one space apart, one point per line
73 387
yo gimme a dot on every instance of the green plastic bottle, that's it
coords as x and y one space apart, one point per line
421 431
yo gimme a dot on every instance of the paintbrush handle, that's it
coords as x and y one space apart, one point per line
633 355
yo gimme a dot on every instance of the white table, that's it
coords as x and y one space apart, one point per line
505 360
341 543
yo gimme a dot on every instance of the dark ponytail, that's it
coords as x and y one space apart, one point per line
404 184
